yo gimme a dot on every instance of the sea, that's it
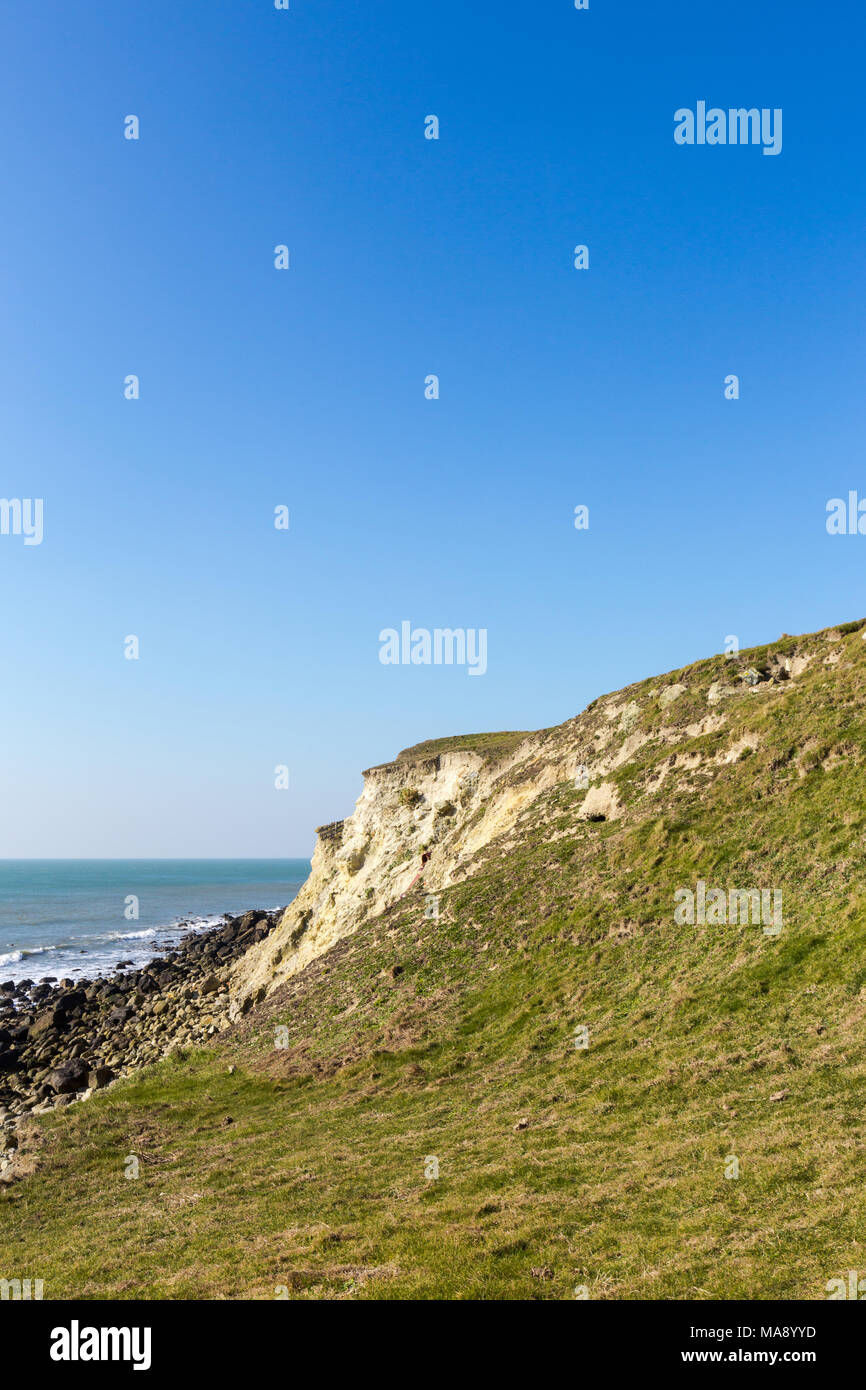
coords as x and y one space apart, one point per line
80 918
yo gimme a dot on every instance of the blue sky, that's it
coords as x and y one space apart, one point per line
306 387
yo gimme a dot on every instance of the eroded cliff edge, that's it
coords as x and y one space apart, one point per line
447 805
462 800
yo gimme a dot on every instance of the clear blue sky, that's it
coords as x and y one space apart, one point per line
306 387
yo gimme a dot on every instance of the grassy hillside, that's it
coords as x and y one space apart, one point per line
559 1166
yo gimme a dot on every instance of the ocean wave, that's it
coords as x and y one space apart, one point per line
128 935
96 952
12 957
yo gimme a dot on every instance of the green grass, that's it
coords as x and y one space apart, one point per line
704 1043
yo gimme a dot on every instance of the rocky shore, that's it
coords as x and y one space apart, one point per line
62 1040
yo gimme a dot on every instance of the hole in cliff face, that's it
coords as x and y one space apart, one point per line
597 816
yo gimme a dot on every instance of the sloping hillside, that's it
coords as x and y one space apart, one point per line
618 1102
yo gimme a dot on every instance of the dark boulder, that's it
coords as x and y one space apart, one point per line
52 1019
119 1016
72 1002
68 1077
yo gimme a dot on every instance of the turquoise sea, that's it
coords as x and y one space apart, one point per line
76 917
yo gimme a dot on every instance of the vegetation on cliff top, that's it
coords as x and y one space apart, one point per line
495 745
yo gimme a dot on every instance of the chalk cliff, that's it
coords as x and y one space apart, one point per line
464 799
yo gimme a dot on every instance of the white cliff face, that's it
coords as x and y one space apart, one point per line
366 863
453 804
